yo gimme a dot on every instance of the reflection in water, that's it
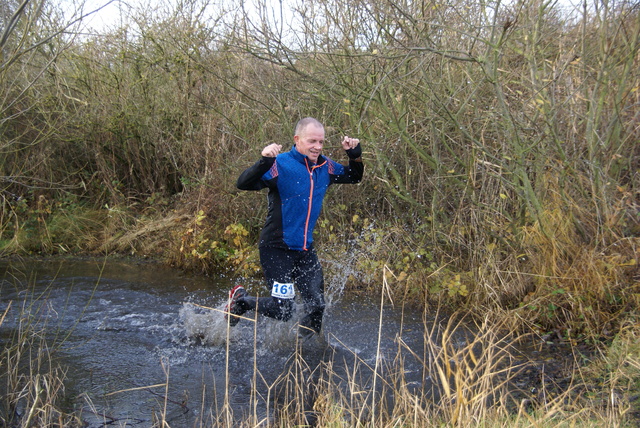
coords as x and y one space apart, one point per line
127 329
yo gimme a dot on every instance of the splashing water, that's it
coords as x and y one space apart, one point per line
340 271
209 325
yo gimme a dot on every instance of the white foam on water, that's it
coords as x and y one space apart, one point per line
211 328
336 282
209 325
280 334
345 266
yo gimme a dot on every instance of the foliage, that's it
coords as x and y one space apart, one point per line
51 227
204 248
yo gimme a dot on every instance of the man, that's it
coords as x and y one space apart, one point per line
297 181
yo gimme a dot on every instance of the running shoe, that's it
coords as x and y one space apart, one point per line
232 305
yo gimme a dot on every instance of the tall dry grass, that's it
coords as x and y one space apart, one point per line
33 386
481 381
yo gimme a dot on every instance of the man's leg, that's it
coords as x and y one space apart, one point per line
310 282
277 266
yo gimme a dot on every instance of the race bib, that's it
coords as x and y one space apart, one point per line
283 291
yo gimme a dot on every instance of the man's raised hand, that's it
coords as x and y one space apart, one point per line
349 143
272 150
352 146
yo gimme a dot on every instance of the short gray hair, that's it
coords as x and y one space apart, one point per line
303 123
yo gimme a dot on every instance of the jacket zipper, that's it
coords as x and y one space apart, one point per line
306 223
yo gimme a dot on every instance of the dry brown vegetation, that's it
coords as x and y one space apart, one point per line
501 144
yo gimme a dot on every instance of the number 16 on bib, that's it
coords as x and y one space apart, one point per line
283 290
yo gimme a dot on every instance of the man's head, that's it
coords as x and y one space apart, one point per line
309 138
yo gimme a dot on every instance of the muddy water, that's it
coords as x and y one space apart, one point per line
126 329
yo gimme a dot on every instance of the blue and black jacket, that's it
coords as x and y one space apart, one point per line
296 190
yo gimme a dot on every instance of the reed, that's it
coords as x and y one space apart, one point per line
33 384
472 383
472 386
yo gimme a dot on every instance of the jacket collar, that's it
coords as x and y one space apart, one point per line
304 159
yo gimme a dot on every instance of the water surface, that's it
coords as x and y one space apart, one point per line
126 329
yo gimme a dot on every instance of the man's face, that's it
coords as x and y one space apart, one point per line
309 141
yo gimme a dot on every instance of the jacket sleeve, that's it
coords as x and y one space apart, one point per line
251 178
351 173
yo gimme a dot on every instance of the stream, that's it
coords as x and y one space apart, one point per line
123 328
140 339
